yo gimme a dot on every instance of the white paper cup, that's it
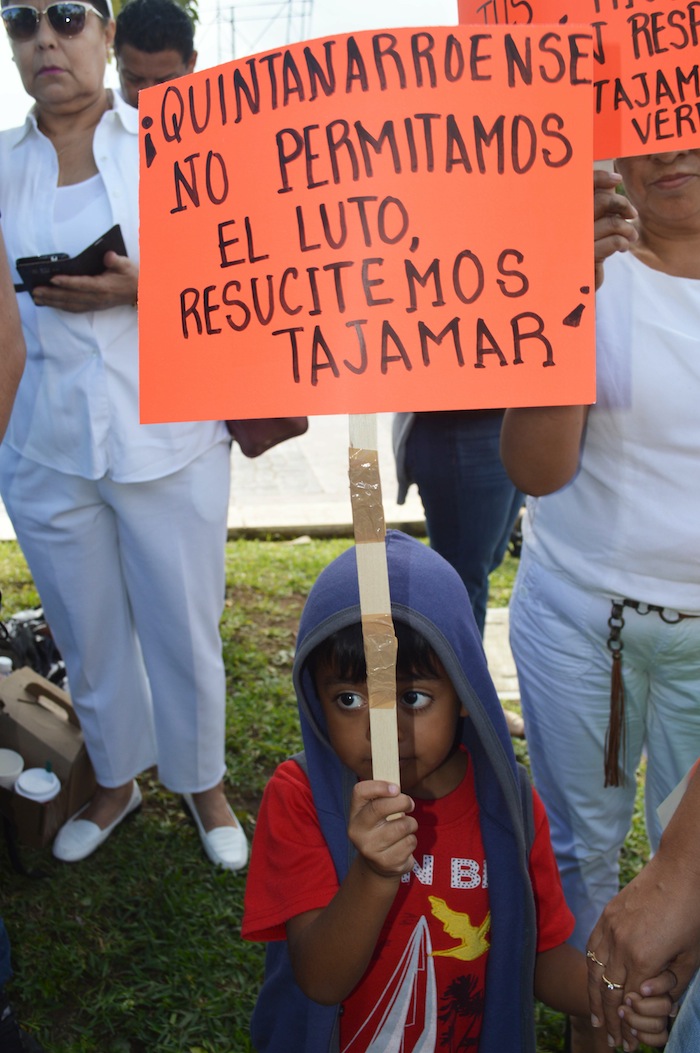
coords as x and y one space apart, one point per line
38 784
11 764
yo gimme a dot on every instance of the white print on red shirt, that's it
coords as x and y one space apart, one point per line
464 873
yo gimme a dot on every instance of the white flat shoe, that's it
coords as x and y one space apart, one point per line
78 838
226 846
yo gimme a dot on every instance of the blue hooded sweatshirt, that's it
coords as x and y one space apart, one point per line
428 595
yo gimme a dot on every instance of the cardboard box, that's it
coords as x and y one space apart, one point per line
37 720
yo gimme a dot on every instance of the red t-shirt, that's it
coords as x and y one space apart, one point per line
425 981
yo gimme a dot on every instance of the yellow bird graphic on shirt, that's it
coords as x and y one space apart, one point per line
473 939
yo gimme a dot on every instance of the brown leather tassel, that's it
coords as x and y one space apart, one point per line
615 737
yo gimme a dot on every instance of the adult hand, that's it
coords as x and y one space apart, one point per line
652 925
117 286
612 212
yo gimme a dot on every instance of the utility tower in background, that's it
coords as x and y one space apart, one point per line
256 25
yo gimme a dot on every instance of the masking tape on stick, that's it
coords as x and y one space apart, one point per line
366 496
380 656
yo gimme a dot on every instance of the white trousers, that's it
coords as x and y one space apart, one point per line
559 640
131 578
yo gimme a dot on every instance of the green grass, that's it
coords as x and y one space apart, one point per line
138 951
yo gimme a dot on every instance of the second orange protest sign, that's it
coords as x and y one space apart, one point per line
380 221
646 78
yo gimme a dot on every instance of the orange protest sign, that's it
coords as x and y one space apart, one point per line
646 79
374 222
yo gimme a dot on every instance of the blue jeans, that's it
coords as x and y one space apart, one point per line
470 503
685 1036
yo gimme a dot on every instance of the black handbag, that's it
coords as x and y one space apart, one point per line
26 639
259 434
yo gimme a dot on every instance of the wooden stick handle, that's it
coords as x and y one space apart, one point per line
375 602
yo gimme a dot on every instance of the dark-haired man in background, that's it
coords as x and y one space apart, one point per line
153 43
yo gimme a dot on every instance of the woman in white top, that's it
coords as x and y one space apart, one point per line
605 618
123 525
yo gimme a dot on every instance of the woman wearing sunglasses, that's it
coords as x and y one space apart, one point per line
123 525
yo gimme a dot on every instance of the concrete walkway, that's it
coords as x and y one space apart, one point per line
301 487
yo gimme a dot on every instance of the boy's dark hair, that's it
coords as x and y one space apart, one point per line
155 25
344 652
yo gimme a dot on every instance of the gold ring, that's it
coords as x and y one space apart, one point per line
610 985
591 955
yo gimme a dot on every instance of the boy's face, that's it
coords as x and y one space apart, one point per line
428 711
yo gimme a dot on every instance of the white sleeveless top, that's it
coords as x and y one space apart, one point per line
628 524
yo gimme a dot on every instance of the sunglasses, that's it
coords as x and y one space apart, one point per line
67 18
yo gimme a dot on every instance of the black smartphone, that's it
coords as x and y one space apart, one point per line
38 270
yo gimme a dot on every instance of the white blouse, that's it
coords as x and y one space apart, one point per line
77 406
628 524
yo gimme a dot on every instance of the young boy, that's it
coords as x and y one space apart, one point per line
428 931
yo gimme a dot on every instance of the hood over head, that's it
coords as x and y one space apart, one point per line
428 595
